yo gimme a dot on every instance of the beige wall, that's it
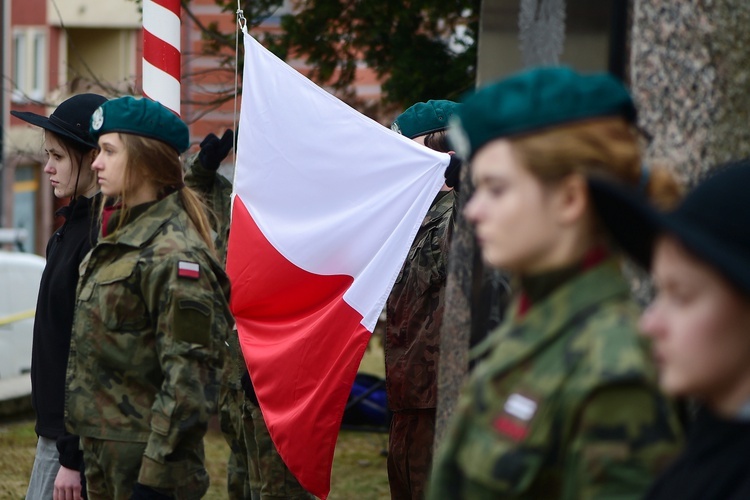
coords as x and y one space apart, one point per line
93 13
586 37
584 51
107 53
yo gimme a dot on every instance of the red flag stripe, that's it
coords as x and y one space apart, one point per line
309 334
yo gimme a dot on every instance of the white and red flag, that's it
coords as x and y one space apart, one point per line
326 205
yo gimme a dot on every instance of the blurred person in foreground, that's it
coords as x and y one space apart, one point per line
414 314
699 322
151 316
563 403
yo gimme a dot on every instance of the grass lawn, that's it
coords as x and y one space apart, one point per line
359 465
359 470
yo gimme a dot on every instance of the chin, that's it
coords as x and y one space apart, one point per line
497 262
673 387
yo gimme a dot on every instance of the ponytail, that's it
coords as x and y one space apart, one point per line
196 211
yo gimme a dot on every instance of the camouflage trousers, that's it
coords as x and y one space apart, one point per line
275 480
112 469
410 453
240 484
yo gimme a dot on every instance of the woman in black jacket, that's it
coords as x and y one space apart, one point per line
70 149
699 323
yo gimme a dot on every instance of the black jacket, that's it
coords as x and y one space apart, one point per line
54 320
715 464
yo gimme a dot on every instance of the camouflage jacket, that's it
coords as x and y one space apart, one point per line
564 406
149 329
216 192
414 313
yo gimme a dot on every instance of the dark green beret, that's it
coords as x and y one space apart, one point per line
424 118
534 100
142 117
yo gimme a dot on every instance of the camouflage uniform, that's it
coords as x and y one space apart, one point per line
148 344
255 469
276 481
216 192
564 405
412 340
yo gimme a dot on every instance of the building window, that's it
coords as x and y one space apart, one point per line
29 65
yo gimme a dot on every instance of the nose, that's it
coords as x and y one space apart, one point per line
97 164
472 209
652 322
48 168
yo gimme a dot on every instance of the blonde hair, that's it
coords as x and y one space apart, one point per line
605 146
155 162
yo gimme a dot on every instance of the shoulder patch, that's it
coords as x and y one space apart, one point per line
514 421
187 269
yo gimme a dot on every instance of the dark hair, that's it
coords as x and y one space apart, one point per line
438 141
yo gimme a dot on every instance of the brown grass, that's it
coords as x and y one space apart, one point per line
359 465
359 470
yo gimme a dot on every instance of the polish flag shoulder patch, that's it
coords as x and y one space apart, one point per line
514 420
189 270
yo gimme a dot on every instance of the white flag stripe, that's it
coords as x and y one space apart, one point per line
189 266
520 407
361 186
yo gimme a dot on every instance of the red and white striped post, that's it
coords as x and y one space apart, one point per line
161 52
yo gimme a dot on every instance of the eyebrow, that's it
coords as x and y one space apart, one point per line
489 177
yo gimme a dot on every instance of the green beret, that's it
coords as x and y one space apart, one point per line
535 100
143 117
424 118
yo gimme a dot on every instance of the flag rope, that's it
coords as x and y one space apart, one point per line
241 25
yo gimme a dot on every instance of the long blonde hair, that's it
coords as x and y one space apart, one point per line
155 162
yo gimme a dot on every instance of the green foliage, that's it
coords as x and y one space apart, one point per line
411 45
420 49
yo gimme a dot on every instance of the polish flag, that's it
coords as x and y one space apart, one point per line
326 205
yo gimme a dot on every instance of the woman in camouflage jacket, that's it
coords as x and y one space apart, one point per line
151 316
564 402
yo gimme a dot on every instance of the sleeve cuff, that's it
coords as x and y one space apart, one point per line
71 456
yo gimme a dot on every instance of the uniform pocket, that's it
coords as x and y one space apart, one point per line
193 318
121 304
498 464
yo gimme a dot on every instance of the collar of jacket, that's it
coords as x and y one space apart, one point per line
79 207
140 231
522 335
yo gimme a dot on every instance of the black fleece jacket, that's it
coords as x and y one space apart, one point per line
53 323
714 465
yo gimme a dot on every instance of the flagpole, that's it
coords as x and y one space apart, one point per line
161 52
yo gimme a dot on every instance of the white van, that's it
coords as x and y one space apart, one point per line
20 274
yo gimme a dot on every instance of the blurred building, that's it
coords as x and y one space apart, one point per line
52 49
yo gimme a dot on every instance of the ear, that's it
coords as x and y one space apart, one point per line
571 199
